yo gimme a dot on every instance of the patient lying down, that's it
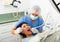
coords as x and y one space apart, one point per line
28 35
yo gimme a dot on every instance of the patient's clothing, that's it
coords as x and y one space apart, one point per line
39 21
37 37
33 38
27 39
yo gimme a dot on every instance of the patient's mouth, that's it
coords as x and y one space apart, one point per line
29 30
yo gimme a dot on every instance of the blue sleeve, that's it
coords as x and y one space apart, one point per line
40 23
19 21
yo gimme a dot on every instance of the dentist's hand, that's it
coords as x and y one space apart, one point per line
34 30
18 30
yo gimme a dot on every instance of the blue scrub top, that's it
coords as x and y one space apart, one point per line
39 21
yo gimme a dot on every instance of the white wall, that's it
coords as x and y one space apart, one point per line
6 9
54 13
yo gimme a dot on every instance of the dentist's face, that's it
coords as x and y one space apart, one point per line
34 15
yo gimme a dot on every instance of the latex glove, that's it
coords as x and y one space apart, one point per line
34 30
18 30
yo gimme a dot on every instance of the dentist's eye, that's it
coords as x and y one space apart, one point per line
34 14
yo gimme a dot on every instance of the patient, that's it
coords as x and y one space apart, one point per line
26 32
25 29
27 35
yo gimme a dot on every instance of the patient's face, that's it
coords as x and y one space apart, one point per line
26 29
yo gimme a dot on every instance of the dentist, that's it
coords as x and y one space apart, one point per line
33 19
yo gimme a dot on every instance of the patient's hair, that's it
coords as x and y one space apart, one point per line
21 24
23 35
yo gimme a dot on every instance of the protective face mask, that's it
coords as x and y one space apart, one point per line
33 17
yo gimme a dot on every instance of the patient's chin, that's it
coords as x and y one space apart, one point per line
29 32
